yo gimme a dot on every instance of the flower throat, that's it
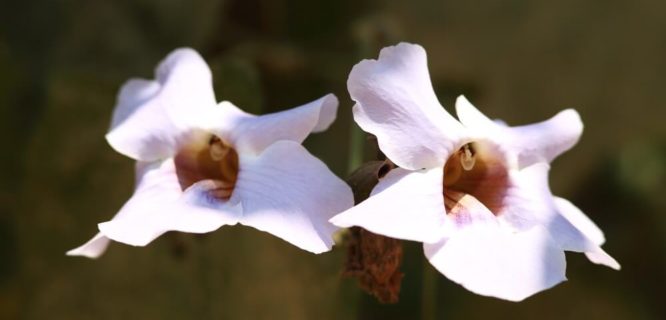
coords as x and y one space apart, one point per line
211 160
475 169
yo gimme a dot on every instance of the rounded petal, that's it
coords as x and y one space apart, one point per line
91 249
187 87
158 205
252 134
151 117
395 101
493 261
289 193
134 93
405 205
140 129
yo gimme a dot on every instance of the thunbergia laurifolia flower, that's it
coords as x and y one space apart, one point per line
473 190
202 165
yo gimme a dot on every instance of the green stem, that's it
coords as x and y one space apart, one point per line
356 148
428 293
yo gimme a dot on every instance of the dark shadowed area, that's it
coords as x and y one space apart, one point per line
62 62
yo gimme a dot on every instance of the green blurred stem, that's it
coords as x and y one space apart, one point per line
355 148
428 293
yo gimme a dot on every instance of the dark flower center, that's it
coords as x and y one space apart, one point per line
208 158
476 169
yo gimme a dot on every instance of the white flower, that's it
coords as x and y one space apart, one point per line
474 191
201 165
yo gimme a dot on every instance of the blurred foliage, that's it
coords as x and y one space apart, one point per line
61 63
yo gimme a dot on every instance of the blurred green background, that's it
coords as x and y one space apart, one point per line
62 62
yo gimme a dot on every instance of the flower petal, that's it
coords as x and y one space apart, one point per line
187 92
140 129
546 140
249 133
91 249
582 234
599 256
405 205
151 117
493 261
580 220
532 143
149 222
158 205
471 117
464 210
289 193
529 203
395 101
96 246
571 239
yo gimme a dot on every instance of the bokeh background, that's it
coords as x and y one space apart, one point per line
62 62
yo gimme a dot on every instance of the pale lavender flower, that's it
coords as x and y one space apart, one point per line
473 190
202 165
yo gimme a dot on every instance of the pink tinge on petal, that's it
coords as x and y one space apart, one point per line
465 210
208 193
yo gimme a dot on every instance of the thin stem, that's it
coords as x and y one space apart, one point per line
428 293
356 148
